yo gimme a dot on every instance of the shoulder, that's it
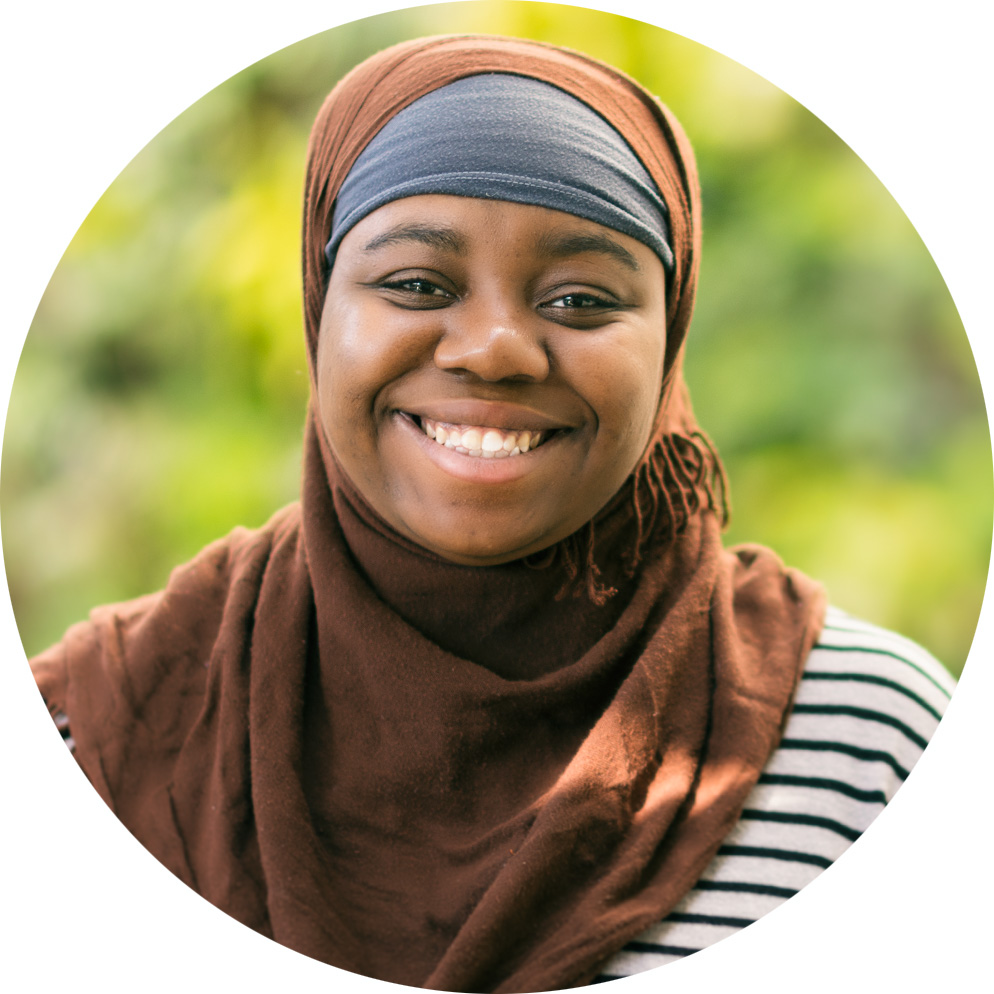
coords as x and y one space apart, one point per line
127 686
125 654
867 704
847 642
869 688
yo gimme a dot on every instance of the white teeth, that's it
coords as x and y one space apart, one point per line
488 443
492 441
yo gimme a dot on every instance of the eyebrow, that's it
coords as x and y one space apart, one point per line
561 246
434 237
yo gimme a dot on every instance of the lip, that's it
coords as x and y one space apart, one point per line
474 469
487 414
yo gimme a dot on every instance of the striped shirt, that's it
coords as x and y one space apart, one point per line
867 704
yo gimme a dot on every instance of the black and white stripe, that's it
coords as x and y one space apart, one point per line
62 724
868 702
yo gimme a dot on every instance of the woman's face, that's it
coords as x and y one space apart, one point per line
531 339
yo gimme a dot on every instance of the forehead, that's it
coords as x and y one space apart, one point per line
460 225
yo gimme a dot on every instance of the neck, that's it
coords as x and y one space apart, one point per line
521 619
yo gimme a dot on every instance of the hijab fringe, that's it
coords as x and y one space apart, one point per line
678 476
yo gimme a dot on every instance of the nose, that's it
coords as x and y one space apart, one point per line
492 342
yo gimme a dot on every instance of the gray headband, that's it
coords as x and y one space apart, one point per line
503 137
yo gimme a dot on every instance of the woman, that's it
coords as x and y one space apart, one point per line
491 709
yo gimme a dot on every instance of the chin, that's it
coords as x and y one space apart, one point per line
478 555
480 551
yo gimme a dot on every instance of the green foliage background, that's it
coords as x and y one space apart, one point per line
160 396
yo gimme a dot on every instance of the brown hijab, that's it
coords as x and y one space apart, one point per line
314 726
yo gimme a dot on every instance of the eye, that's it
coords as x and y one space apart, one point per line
579 301
420 287
581 308
417 291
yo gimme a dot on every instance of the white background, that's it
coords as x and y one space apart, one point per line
86 85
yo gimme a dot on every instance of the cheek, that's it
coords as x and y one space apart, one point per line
623 387
339 378
359 353
352 367
364 349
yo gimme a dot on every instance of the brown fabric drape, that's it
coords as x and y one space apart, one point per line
440 775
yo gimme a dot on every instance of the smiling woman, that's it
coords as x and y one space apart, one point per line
492 708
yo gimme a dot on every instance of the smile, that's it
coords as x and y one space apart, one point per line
481 441
488 443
